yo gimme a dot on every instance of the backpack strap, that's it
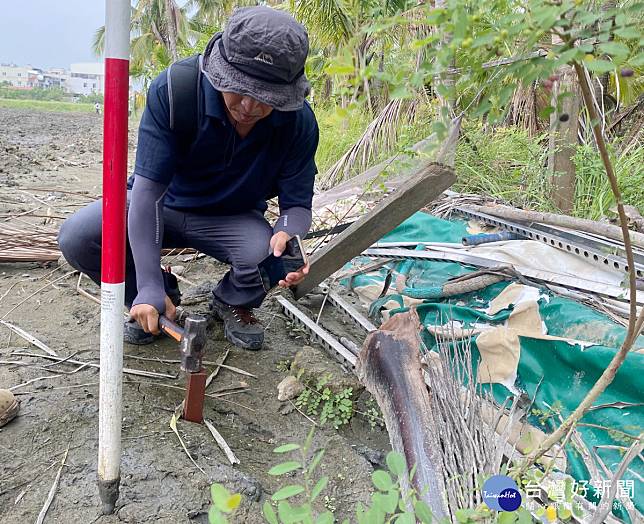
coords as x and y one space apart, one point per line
184 77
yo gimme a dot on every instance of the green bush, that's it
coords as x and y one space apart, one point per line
37 93
594 198
503 163
339 130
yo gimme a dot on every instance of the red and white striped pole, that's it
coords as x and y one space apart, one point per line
117 54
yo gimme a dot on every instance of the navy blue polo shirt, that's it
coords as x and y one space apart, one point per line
221 173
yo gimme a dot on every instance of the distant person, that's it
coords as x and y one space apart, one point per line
97 108
252 137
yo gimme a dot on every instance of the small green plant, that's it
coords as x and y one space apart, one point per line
331 408
548 414
373 415
223 503
288 511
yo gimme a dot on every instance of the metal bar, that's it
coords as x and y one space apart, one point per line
195 395
544 276
350 311
595 250
318 333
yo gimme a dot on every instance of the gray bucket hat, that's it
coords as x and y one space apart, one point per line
261 54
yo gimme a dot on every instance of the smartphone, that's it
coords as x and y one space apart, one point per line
273 269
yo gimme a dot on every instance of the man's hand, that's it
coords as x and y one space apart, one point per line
148 317
278 245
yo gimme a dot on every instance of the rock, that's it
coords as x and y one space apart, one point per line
310 365
289 388
178 270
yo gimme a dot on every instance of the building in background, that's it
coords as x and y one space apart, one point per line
28 77
17 76
86 78
55 77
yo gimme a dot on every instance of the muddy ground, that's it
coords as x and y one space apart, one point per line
41 154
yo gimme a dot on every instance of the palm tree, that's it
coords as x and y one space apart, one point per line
158 28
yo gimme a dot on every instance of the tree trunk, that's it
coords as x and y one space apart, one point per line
389 366
171 23
564 125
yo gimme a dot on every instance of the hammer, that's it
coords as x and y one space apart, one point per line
192 340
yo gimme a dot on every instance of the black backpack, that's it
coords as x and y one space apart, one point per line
184 78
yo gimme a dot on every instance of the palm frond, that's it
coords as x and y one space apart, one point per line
98 42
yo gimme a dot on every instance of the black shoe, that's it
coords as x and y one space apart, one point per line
240 325
134 334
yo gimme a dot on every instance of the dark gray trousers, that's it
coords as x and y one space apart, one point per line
240 240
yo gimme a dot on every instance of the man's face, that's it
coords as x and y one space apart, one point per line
244 109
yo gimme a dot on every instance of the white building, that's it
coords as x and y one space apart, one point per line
18 76
86 78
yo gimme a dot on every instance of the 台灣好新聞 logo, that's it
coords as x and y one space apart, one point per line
501 493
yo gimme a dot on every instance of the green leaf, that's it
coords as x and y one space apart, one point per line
463 515
382 480
405 518
599 66
338 69
423 512
286 448
319 486
628 33
386 502
219 494
614 49
269 513
373 516
284 467
567 56
638 60
316 460
325 518
523 516
505 517
443 90
586 18
287 492
483 40
285 512
216 517
396 462
400 92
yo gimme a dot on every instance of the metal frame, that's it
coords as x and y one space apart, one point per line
317 332
591 248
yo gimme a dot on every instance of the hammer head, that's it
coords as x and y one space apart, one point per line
193 343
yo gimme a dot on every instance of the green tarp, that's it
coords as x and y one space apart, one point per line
559 373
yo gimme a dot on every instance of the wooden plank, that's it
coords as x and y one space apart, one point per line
430 180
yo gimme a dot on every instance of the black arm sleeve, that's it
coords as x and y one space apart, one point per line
145 232
294 221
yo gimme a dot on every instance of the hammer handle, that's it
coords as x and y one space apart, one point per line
170 328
